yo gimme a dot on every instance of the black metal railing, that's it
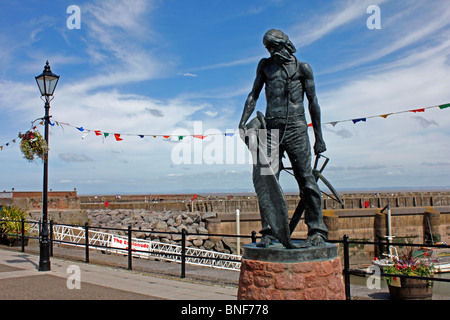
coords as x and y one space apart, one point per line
345 242
23 237
130 250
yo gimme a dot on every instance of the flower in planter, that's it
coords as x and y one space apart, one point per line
409 265
33 145
10 223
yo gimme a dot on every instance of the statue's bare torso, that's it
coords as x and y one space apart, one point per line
284 89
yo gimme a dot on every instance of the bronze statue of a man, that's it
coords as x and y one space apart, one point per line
286 81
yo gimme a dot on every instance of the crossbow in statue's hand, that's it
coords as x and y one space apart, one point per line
318 175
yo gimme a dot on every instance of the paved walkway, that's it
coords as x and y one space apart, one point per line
20 279
106 278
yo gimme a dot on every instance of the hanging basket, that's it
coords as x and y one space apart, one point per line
33 146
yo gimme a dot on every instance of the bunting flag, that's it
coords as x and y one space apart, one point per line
119 136
334 123
360 119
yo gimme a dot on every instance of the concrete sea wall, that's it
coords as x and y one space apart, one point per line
416 217
407 225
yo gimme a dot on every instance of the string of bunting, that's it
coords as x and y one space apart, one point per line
334 123
119 136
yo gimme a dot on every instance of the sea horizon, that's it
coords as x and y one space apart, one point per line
237 192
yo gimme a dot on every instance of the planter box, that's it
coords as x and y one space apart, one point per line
410 289
13 241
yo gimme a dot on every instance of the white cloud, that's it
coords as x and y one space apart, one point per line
188 74
211 113
119 35
319 26
403 30
234 63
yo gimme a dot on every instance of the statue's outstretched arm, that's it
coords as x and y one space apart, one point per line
314 108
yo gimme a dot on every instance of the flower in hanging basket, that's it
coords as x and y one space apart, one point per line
33 145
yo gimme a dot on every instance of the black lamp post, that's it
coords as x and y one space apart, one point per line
47 82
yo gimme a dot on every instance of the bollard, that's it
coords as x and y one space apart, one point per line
380 232
331 221
253 236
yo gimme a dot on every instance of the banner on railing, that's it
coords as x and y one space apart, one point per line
121 243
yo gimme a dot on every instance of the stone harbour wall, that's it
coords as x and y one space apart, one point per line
57 200
173 222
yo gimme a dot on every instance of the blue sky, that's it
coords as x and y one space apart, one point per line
171 67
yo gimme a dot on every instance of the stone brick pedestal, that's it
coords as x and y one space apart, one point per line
276 273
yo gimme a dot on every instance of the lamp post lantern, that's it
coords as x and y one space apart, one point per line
46 82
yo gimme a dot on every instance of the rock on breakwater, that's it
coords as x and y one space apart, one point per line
150 223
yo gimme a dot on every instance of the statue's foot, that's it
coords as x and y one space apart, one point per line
265 242
315 240
290 245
